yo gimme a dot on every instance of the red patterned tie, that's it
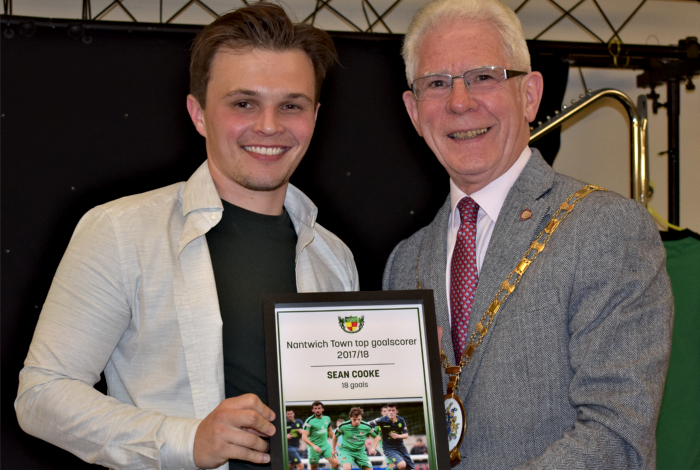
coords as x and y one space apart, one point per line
464 275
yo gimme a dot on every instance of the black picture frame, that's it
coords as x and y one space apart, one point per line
321 314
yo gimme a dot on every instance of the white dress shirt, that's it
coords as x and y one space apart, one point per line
490 200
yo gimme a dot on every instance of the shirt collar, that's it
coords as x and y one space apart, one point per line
491 197
200 193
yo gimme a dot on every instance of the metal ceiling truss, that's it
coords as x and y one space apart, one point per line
669 65
368 9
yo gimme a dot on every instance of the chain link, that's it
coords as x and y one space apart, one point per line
512 280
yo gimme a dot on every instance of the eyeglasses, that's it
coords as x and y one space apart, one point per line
483 80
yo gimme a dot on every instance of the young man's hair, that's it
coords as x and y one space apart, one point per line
355 412
316 403
492 12
263 26
390 405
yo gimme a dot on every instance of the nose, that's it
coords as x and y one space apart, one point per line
461 99
269 121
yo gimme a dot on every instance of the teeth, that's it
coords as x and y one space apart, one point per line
468 134
265 150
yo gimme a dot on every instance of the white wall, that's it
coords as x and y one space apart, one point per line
595 147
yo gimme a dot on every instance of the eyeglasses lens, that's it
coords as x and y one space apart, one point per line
439 86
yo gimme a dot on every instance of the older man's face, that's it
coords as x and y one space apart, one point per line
476 137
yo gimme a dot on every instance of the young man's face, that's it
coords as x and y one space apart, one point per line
476 137
391 413
317 410
383 410
259 117
356 420
290 415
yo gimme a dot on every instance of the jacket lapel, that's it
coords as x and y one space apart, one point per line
511 238
195 294
431 272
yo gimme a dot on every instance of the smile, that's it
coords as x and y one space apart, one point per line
467 134
265 150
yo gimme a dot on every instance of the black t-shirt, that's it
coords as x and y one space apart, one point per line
251 254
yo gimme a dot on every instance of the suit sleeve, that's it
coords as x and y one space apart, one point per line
620 320
387 278
82 321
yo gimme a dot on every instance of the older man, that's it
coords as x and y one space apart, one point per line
559 363
163 290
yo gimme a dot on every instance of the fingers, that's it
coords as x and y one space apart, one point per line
249 413
440 331
233 430
243 445
250 401
253 431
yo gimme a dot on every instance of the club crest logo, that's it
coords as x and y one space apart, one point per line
351 324
452 425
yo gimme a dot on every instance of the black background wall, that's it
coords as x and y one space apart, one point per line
87 121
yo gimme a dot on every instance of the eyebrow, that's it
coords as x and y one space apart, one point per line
253 93
445 72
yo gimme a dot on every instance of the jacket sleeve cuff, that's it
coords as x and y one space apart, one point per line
178 451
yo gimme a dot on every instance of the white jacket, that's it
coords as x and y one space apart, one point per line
134 295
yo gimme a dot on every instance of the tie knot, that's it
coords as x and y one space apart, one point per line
468 210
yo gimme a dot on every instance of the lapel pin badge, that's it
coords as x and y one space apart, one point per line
526 214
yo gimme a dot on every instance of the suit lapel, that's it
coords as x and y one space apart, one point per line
511 238
431 271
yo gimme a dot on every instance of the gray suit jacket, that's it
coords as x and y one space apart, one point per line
570 374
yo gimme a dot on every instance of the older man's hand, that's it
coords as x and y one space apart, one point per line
233 430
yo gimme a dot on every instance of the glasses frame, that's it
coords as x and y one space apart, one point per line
506 75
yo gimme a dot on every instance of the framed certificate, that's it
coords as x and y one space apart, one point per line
349 351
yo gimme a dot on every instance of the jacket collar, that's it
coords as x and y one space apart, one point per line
202 209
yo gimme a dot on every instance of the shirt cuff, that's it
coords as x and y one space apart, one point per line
178 451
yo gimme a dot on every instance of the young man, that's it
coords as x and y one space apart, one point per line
568 371
317 429
162 290
355 433
394 433
294 429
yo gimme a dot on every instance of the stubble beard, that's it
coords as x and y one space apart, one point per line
262 184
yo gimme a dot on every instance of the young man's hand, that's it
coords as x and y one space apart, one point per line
233 430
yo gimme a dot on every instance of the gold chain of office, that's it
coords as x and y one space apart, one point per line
509 284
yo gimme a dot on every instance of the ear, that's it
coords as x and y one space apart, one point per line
531 88
412 108
318 105
196 114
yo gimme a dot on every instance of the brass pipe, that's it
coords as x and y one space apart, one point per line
639 159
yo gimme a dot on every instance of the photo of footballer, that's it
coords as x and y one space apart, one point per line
316 431
394 432
352 449
294 428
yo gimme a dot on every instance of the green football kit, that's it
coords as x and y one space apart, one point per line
353 446
318 435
